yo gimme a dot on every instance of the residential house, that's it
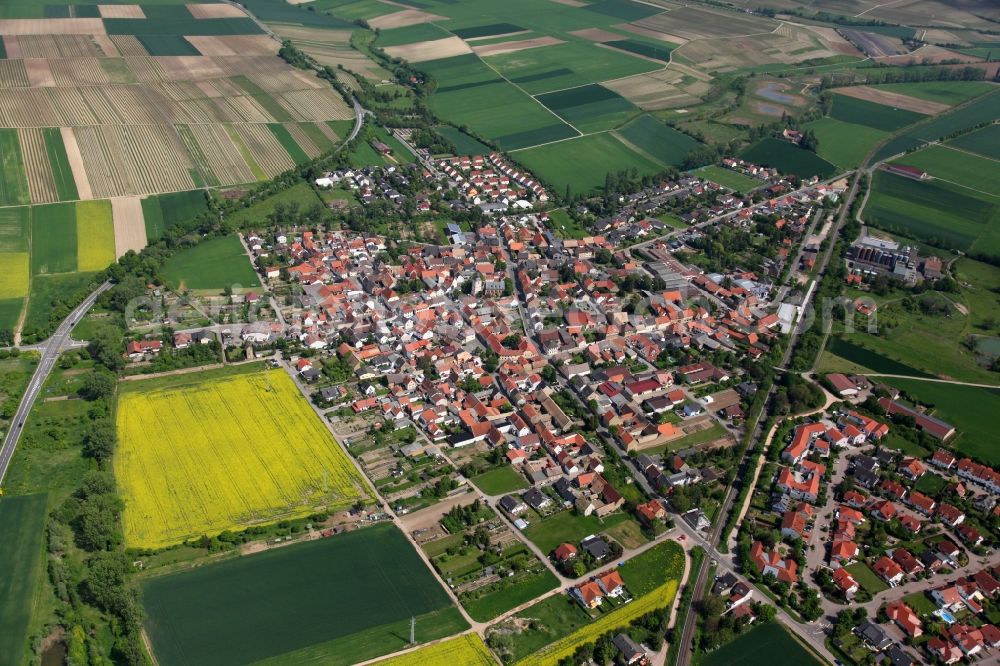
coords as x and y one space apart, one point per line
888 571
772 563
905 618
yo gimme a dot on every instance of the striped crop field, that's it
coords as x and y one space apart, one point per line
265 148
216 451
95 233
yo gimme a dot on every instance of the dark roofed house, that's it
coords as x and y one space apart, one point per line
629 649
512 505
536 499
873 635
596 547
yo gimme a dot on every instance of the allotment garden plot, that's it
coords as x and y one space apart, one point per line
207 452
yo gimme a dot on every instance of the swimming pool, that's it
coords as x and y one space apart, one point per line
945 615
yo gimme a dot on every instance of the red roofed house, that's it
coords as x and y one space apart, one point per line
904 616
911 468
611 583
888 571
564 552
845 582
922 503
587 594
770 562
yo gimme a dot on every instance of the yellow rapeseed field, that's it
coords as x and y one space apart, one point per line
14 275
620 617
224 453
466 650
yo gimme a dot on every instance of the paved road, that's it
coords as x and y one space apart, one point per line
50 351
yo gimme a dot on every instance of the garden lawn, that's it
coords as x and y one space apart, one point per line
212 264
371 580
866 577
716 431
728 178
569 527
500 481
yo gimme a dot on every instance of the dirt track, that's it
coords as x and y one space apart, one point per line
894 99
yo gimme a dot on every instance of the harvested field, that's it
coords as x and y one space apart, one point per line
76 163
95 234
128 45
514 46
107 46
235 45
216 156
659 90
38 72
315 105
51 46
133 159
433 50
888 98
215 10
129 224
121 11
874 45
71 72
13 74
60 26
597 35
265 148
41 184
189 68
404 18
696 23
787 46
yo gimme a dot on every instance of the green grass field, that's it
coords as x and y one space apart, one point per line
870 114
935 211
464 144
167 45
945 92
583 163
13 179
293 149
590 108
568 526
301 194
14 224
10 310
61 171
788 158
728 178
500 480
660 142
566 65
53 238
212 264
273 604
957 167
163 211
970 409
470 94
869 359
716 431
985 141
844 144
420 32
47 291
492 604
22 523
760 647
981 110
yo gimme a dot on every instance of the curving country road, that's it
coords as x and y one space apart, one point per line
50 350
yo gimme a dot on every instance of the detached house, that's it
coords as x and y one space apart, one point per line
771 563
